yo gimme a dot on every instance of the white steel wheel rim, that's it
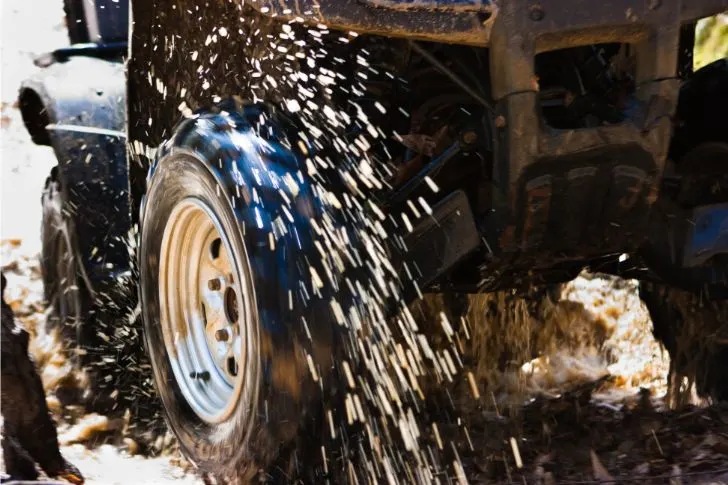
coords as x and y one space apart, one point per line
205 310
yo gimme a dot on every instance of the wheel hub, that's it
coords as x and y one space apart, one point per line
204 310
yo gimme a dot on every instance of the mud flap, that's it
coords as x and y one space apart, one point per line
441 240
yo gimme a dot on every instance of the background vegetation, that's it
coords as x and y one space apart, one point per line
711 41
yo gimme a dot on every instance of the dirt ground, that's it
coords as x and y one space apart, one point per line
594 412
96 444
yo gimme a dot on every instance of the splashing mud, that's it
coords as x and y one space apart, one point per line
604 329
540 342
66 384
101 446
695 334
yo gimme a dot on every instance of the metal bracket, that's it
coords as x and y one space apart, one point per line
438 242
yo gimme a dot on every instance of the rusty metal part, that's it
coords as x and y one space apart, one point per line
518 36
427 21
441 5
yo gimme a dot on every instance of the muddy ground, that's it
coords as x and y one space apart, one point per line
595 411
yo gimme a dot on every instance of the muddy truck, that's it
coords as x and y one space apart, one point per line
281 180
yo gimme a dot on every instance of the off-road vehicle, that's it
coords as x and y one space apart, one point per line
296 173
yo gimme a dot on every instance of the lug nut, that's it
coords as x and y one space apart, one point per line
221 335
214 284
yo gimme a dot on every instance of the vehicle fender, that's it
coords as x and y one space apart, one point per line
78 108
81 91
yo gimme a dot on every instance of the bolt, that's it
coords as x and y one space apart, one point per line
500 121
221 335
470 137
203 375
214 284
536 13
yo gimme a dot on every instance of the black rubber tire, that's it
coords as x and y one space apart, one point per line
76 21
61 267
101 331
694 331
692 327
205 162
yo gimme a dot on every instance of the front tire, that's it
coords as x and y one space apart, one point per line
214 260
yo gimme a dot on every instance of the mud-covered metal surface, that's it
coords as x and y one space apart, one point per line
530 157
543 172
440 5
458 22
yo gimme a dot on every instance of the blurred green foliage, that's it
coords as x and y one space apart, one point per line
711 40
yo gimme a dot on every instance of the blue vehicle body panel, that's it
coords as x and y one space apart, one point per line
78 107
708 236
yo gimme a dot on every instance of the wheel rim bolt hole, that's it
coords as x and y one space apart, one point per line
232 366
215 248
231 305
